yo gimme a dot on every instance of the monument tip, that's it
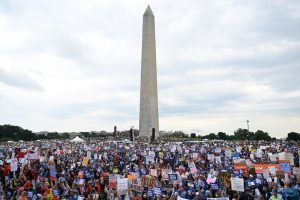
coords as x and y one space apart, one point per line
148 11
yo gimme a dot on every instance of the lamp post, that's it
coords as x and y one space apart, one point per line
132 132
248 124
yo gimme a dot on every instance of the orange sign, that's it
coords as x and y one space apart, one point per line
260 167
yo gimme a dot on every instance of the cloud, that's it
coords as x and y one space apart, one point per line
19 80
219 64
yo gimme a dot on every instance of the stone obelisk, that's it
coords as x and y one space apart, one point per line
148 125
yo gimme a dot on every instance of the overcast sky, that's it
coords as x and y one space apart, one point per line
75 65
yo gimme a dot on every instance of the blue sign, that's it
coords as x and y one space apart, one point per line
285 167
214 186
173 177
236 173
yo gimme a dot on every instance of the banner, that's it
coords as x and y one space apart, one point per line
260 167
237 184
240 166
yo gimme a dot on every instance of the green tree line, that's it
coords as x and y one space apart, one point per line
244 134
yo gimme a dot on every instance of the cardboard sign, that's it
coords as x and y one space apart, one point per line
237 184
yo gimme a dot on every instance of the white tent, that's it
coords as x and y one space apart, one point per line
77 139
127 141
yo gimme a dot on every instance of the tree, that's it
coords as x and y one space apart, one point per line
222 136
260 135
193 135
243 134
293 136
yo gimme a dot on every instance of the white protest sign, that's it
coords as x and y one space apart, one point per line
89 154
122 186
150 157
237 184
14 165
153 172
296 170
228 153
281 156
220 198
290 157
211 157
272 170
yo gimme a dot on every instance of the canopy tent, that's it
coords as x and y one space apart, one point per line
77 139
127 141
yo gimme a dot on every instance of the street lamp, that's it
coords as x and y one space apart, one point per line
248 124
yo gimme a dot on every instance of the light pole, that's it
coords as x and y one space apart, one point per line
132 132
248 124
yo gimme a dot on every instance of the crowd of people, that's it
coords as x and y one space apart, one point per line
97 169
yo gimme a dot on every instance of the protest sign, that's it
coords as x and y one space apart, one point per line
53 172
153 172
33 156
285 166
150 157
164 173
296 170
173 177
14 164
214 186
281 156
193 167
147 181
228 153
157 191
85 161
237 184
290 157
210 157
220 198
122 186
240 166
89 154
112 182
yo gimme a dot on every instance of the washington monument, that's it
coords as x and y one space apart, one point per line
148 125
